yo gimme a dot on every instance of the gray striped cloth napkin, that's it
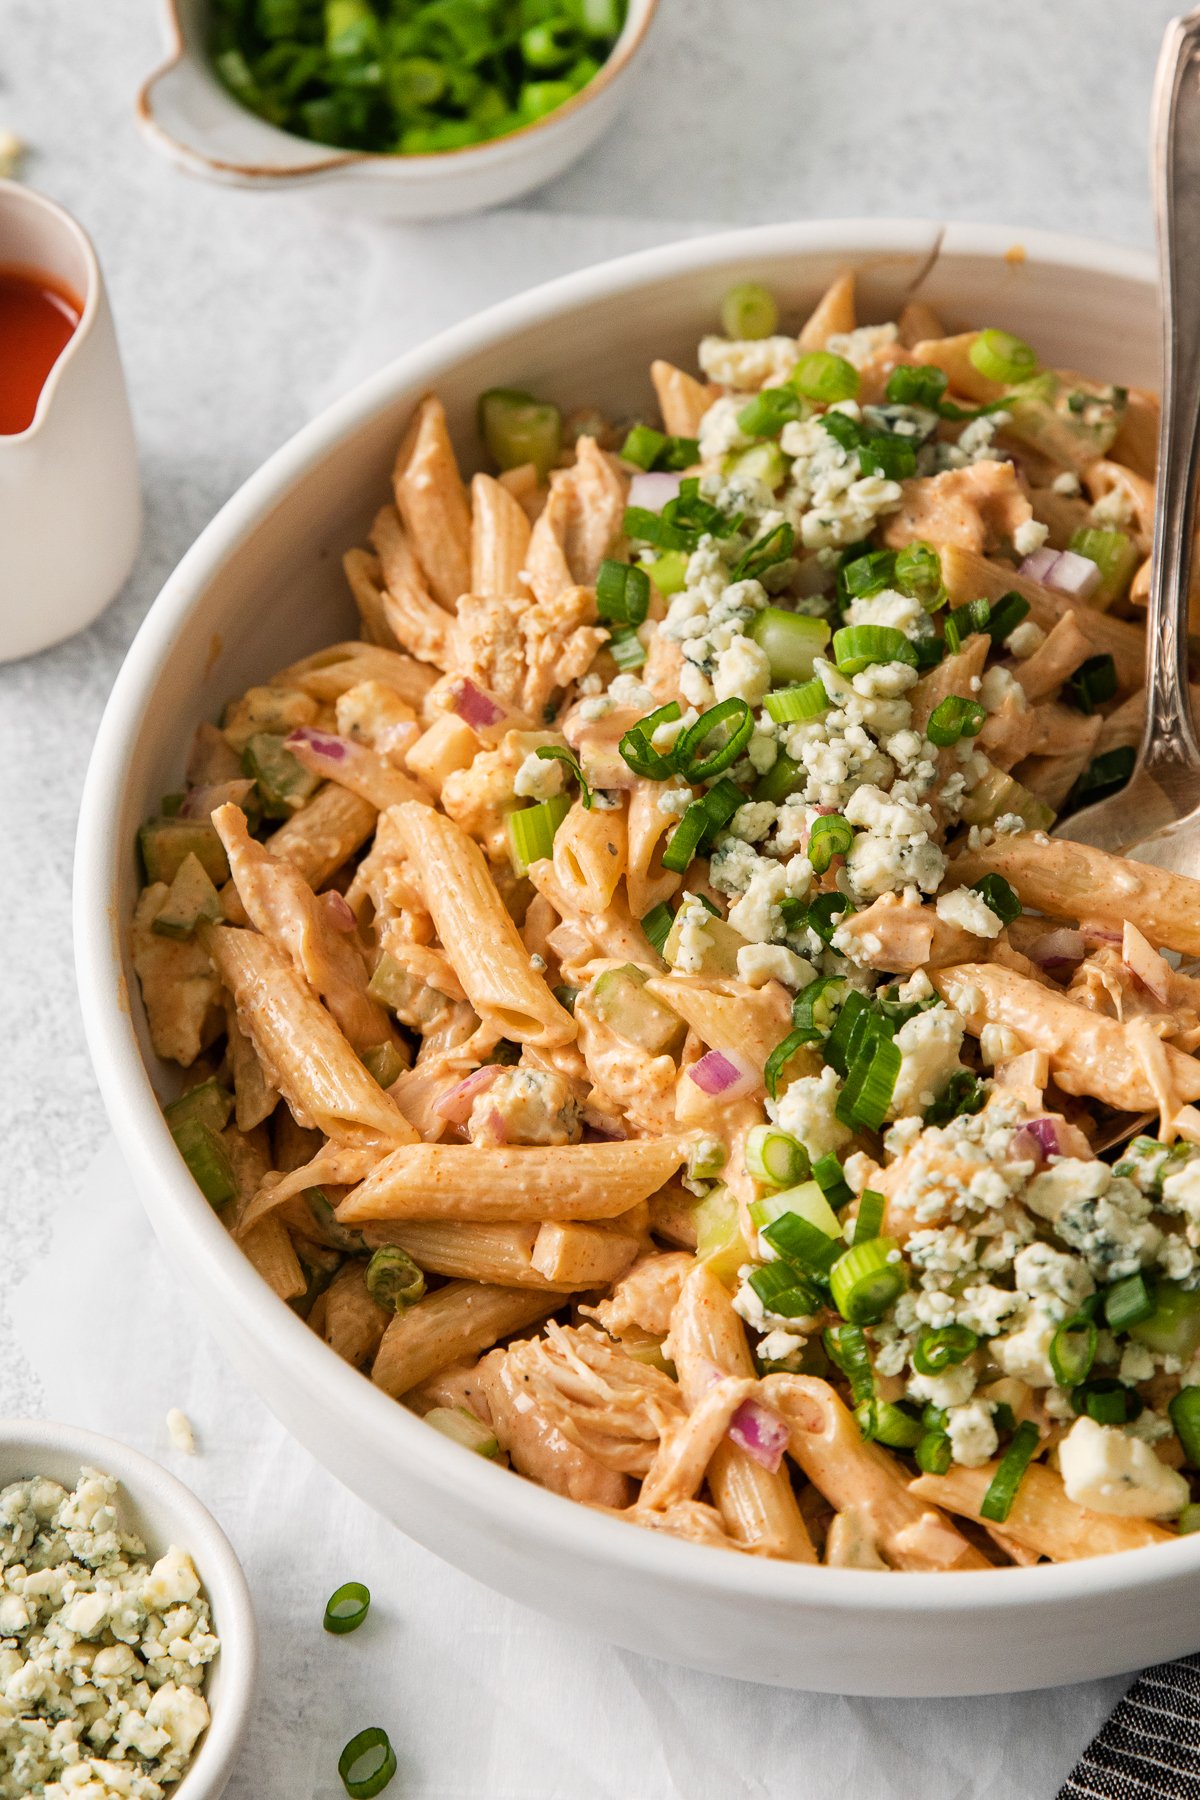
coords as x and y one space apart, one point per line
1149 1749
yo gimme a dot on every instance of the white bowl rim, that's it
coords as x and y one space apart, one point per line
217 1564
504 1499
422 163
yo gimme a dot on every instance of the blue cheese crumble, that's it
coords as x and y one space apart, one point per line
102 1654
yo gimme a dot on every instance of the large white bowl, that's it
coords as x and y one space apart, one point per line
262 587
187 115
162 1512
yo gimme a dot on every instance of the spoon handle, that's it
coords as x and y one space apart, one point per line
1170 736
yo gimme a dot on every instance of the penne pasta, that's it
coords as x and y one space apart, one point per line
432 502
682 400
481 1184
968 576
356 767
459 1321
1042 1519
499 540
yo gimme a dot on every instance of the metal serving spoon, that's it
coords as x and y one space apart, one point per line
1156 817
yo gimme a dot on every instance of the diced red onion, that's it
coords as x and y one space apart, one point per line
199 802
1036 1141
603 1124
1099 934
1146 965
716 1074
455 1105
654 490
497 1130
322 743
1056 949
1063 570
761 1433
341 914
477 708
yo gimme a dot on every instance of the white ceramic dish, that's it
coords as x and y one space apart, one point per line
262 587
187 115
162 1512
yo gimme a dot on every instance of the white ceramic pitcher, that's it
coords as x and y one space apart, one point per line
70 506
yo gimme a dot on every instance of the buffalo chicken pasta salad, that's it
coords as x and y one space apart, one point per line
631 1005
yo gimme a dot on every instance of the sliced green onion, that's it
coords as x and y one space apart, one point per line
775 1157
820 375
531 831
892 1425
208 1103
831 836
866 1279
1107 1400
560 753
690 760
393 1279
684 842
934 1453
766 415
849 1030
1174 1327
812 1008
865 576
784 1292
954 718
1073 1350
997 1503
784 777
1093 682
648 449
789 705
548 44
1188 1520
1128 1302
627 649
857 647
942 1348
657 925
765 553
519 429
919 572
762 463
963 1094
622 593
1104 775
847 1346
823 914
999 895
638 751
887 454
999 356
790 641
868 1222
780 1057
867 1092
367 1763
207 1159
827 1173
1115 555
347 1607
749 311
460 1425
802 1243
668 572
916 385
1004 615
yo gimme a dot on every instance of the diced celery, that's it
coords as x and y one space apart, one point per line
191 899
413 1001
763 462
208 1160
807 1201
621 1002
208 1102
459 1423
1071 421
166 844
790 640
719 1241
283 783
720 949
997 793
1173 1328
668 572
519 429
384 1062
1114 554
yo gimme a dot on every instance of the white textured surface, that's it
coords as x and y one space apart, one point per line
237 314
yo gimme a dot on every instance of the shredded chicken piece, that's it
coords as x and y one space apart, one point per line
978 508
688 1519
644 1299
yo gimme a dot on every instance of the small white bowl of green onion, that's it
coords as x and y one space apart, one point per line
406 109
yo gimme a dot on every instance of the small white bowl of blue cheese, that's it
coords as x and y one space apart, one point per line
127 1636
